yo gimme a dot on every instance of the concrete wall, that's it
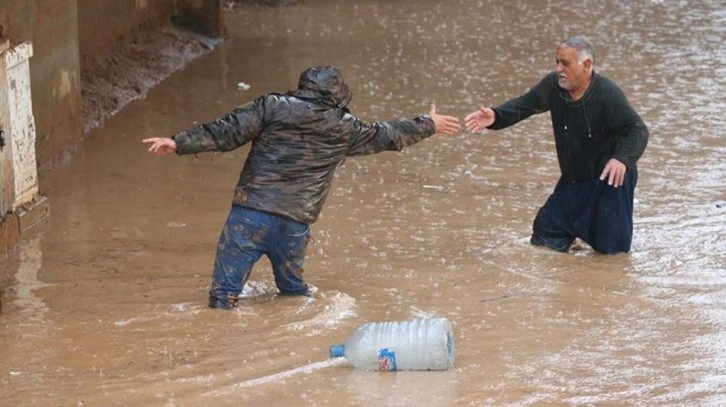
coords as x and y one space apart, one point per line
7 172
202 16
51 26
63 34
105 22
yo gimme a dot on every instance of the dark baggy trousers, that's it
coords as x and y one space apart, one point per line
592 210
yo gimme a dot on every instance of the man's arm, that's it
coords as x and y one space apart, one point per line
535 101
627 126
371 138
226 133
632 137
513 111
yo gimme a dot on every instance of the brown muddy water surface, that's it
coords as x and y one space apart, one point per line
106 304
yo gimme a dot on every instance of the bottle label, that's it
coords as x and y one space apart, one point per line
386 360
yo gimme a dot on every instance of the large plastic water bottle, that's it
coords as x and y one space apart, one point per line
419 344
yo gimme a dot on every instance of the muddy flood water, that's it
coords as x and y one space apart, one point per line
105 305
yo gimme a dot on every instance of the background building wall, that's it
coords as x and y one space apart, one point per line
52 27
64 34
105 22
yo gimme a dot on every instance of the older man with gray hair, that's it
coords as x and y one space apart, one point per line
599 138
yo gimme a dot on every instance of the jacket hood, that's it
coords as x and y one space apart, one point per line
324 83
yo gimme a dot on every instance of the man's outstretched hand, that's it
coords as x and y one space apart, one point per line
161 145
480 119
444 124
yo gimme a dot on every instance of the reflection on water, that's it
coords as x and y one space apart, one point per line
440 229
435 389
29 305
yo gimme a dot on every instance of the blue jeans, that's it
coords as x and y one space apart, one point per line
597 213
247 235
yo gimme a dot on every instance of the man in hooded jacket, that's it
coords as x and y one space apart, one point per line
298 141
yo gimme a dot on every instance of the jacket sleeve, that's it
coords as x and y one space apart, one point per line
374 137
224 134
627 126
515 110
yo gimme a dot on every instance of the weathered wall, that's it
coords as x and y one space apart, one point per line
63 34
105 22
202 16
51 26
7 172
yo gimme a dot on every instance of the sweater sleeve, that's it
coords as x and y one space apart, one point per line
627 126
223 134
371 138
535 101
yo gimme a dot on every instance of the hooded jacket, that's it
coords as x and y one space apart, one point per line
589 131
298 141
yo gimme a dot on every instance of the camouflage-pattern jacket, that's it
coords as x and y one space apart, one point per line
298 141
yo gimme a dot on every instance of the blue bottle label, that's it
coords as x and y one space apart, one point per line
386 360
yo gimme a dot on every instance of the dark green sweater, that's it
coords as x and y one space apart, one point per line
588 132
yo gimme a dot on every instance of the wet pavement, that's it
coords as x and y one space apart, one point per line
106 304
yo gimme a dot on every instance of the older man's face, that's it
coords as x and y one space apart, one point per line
571 74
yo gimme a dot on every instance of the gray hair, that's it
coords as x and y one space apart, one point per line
582 45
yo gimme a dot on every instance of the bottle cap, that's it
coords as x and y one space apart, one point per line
337 351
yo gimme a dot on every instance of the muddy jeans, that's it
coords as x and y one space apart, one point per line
247 235
592 210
